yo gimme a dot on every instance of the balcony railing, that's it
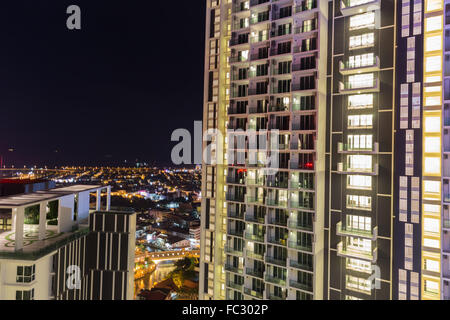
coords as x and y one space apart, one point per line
231 268
345 148
277 241
301 266
348 231
253 293
300 226
276 261
236 233
346 68
301 286
234 285
255 219
300 246
254 273
233 251
344 251
342 168
275 280
253 255
253 237
359 86
305 6
352 7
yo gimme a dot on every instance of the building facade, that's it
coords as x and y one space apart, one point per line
357 92
54 246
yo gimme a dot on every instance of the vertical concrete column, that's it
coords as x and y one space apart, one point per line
108 198
42 219
98 200
18 236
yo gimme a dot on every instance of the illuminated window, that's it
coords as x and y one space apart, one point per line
432 101
360 121
359 202
361 81
358 284
362 60
431 225
359 244
431 208
431 287
432 165
357 162
431 265
359 265
432 124
359 142
364 40
433 24
358 223
434 43
359 182
431 79
364 20
433 5
431 243
353 3
432 144
433 64
360 101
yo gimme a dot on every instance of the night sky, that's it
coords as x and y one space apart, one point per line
112 91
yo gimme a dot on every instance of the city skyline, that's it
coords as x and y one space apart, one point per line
117 77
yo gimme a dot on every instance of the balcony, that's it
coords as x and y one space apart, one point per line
253 200
275 280
233 251
277 222
254 273
275 261
300 246
253 237
254 255
234 285
346 68
255 182
254 3
231 268
372 85
301 266
277 241
234 198
344 149
306 6
347 231
301 286
343 169
308 205
253 293
276 203
255 219
352 7
236 233
345 252
299 226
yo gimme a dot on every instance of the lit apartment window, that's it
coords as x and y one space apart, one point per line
353 3
432 265
362 60
347 297
433 5
360 101
364 40
361 81
364 20
359 142
433 63
432 124
433 43
431 287
360 121
359 182
359 202
357 162
431 79
358 284
433 24
431 208
358 265
359 223
433 187
358 244
431 225
431 243
25 273
432 165
432 101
